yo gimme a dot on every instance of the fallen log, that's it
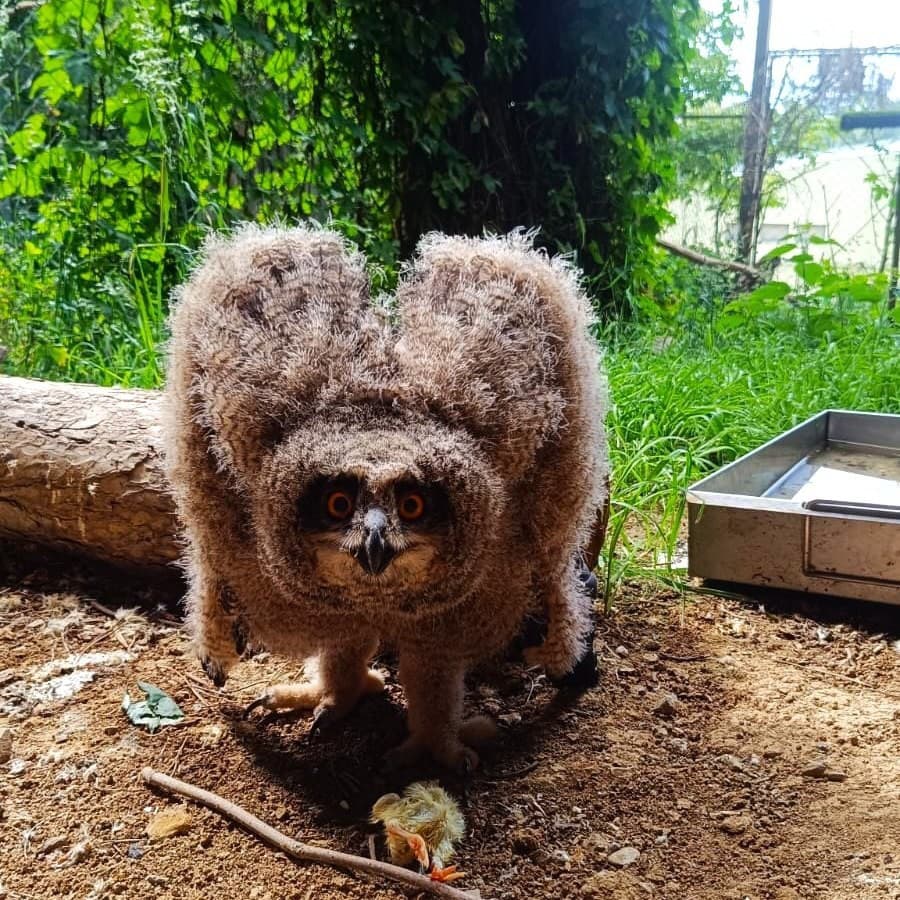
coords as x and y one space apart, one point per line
81 470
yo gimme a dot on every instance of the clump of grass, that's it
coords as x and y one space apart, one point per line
682 407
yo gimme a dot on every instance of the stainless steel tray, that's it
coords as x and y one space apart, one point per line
816 509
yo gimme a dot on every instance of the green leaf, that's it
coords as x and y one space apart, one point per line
457 45
810 272
772 290
775 252
157 710
815 239
865 291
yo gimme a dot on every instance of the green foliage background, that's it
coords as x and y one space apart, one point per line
130 129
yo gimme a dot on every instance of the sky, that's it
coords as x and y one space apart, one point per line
820 23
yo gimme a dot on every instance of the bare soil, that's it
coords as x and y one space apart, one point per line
692 751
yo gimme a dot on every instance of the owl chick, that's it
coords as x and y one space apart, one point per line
423 825
349 475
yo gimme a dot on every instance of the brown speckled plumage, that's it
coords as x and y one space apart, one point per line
481 378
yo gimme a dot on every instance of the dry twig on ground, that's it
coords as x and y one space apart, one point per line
296 849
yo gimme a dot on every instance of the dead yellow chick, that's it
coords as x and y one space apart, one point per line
425 821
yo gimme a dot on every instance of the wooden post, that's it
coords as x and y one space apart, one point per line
756 134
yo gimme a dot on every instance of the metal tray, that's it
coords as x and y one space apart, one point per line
816 509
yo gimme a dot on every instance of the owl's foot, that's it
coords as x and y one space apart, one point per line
220 635
328 707
447 873
452 753
556 661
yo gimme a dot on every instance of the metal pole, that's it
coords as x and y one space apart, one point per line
895 253
755 137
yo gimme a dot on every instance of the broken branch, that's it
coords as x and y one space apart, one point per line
703 260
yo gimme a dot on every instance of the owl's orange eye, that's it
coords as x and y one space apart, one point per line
339 505
411 506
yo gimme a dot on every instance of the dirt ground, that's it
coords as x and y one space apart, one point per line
743 750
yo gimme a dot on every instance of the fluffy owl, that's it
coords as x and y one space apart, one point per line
418 472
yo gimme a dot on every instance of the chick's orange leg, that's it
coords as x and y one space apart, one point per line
447 873
416 843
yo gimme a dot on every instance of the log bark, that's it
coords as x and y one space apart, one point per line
81 470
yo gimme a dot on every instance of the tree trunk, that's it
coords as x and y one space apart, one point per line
81 470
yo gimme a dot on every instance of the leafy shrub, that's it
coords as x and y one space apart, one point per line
824 304
130 129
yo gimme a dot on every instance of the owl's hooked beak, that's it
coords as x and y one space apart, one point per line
374 553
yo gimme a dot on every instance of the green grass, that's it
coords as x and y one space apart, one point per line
57 323
682 407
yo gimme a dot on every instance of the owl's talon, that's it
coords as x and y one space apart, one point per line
324 718
241 636
265 701
256 704
215 672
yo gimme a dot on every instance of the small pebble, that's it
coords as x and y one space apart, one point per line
666 706
174 820
836 776
815 769
627 856
134 851
735 824
735 763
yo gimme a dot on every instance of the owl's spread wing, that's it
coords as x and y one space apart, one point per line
269 326
494 337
